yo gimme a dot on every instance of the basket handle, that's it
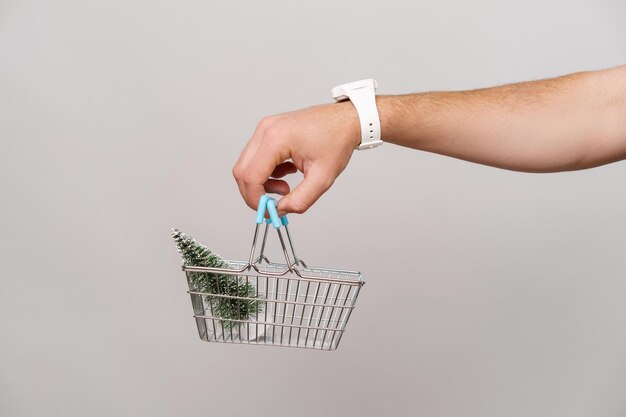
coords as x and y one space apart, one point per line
268 204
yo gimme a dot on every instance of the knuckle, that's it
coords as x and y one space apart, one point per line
275 134
327 183
237 172
247 178
299 207
266 122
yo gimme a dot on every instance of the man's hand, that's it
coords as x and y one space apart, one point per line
317 141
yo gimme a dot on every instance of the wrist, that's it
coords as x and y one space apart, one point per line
388 108
349 120
362 95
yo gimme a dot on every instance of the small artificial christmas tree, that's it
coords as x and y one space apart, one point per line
196 254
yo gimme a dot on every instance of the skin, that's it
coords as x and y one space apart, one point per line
573 122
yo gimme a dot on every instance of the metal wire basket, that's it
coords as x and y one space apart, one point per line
277 304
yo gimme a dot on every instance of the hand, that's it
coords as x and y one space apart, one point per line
317 141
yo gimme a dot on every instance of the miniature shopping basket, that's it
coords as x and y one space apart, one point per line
259 302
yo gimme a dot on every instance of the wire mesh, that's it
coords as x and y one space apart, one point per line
274 304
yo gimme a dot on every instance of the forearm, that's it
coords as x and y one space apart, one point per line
573 122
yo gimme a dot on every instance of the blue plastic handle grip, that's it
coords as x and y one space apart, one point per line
269 204
271 209
283 220
260 211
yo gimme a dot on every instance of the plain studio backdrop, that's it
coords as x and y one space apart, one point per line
490 293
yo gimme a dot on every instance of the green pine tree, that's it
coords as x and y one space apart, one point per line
196 254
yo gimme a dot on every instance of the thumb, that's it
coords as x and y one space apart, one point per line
316 182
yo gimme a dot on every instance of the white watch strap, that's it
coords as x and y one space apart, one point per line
362 94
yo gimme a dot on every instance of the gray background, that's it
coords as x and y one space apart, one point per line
490 293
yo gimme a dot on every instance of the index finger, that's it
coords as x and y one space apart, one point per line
261 166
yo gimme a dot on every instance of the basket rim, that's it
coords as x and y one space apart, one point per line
351 277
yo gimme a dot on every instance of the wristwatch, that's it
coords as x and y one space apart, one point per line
362 94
